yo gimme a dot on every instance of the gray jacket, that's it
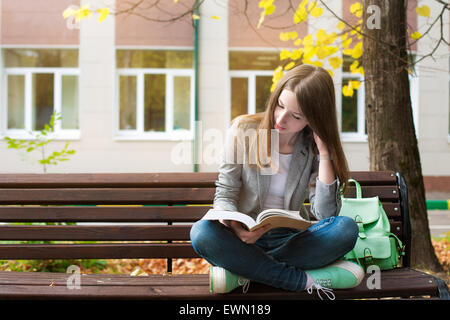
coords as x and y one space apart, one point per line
244 189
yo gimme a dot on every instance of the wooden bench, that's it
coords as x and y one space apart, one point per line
173 200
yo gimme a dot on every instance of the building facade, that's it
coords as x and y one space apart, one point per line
131 100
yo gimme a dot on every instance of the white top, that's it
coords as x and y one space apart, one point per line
275 196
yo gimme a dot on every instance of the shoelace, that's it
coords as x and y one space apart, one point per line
327 291
245 283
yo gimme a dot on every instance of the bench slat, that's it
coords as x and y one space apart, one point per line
107 196
149 180
146 195
401 282
109 180
103 214
124 214
111 233
94 233
97 251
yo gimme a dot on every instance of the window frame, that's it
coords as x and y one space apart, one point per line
360 135
139 133
27 72
251 78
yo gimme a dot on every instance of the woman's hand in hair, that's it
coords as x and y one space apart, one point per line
248 236
321 146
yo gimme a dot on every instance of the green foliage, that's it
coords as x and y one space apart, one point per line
39 143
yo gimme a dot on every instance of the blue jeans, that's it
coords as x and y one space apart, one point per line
281 255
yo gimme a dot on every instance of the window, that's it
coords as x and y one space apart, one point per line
352 108
250 80
353 117
37 83
156 94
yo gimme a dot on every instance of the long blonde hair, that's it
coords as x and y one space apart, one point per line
315 93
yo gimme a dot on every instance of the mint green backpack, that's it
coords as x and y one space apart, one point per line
376 245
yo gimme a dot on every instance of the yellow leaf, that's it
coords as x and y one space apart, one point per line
312 5
286 36
318 63
69 12
356 9
103 13
269 10
296 54
308 40
357 51
335 62
175 1
316 12
298 42
215 17
347 42
347 90
356 84
284 54
278 73
331 38
309 52
265 3
423 11
321 36
344 36
330 72
301 14
82 13
341 25
354 65
416 35
347 52
289 66
273 87
360 70
323 52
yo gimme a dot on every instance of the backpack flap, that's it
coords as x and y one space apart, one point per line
373 248
365 210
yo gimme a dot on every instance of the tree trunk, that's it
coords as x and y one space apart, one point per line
390 127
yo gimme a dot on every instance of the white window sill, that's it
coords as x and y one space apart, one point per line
59 135
349 137
154 136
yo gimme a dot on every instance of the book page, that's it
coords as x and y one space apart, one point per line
278 212
278 221
214 214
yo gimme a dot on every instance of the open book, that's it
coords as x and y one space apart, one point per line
276 217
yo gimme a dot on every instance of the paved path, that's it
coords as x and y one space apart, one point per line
439 221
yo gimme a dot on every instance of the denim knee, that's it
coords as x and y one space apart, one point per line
349 231
200 235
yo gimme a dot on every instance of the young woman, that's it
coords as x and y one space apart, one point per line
308 160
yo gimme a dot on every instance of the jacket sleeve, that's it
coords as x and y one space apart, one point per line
325 199
229 181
